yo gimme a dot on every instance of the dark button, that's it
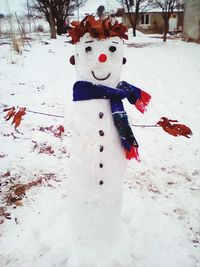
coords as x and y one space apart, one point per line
101 148
101 133
101 115
101 182
101 165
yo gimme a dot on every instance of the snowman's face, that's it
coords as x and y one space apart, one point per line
99 61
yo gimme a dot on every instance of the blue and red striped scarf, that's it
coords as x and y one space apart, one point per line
83 90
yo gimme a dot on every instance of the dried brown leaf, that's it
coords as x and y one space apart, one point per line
175 129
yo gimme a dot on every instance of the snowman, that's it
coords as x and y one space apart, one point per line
102 139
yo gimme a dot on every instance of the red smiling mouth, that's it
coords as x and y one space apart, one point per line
100 79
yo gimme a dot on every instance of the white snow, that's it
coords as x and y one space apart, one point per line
161 210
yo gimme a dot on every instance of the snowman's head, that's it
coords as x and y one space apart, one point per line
99 52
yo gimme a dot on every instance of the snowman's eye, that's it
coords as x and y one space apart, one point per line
112 48
88 49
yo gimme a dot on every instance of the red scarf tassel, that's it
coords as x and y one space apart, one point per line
142 103
133 153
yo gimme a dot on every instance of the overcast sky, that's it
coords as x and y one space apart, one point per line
19 6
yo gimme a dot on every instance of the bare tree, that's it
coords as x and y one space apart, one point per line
167 7
56 12
135 9
100 12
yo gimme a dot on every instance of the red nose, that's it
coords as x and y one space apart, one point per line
102 58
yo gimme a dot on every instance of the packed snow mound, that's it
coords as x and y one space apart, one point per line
138 33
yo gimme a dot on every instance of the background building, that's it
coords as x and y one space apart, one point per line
152 22
191 29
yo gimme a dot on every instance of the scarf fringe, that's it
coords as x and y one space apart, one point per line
133 153
142 103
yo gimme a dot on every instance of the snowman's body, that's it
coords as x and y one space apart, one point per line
98 167
98 161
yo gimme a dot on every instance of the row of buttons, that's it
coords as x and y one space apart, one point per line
101 133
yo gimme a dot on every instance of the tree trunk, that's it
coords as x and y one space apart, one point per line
134 31
133 24
60 26
166 27
52 24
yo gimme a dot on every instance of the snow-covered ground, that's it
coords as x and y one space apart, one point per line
161 207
